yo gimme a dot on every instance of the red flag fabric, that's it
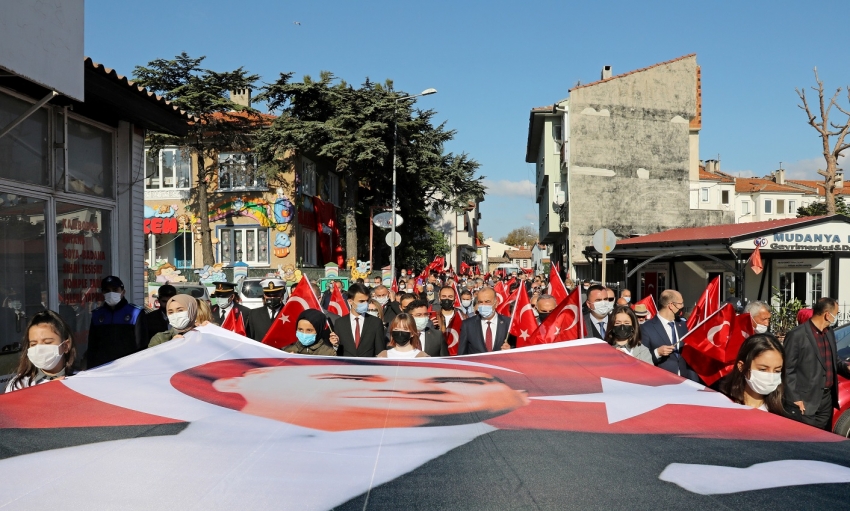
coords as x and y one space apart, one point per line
234 321
649 301
742 328
394 285
501 292
556 285
436 264
755 261
565 323
477 270
704 346
327 230
523 322
464 268
453 283
453 333
338 305
707 304
282 331
504 308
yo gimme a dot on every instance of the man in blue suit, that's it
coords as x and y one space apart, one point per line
663 333
485 331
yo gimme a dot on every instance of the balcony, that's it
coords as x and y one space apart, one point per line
237 172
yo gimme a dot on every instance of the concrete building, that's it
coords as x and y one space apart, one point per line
539 258
461 231
619 153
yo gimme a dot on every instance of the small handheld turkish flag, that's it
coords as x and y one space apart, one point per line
755 261
704 347
523 322
504 307
337 304
556 285
453 283
563 324
453 333
707 304
282 331
234 321
649 302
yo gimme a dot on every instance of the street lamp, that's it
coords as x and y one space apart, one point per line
426 92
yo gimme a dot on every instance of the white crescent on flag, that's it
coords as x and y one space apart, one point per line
714 330
335 307
574 309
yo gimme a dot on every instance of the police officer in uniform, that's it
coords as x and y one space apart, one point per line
259 320
118 327
228 303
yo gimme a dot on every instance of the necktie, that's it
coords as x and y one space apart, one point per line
356 332
673 334
488 338
602 328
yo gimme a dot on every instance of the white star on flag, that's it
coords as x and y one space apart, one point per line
284 318
624 400
525 334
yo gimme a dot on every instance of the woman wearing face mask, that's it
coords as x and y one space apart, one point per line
624 333
376 309
404 339
182 311
756 378
49 355
313 335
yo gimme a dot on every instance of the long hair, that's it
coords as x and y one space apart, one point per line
204 312
634 340
379 307
407 322
736 385
26 370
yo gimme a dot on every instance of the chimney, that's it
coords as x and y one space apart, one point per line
241 97
839 179
606 72
711 166
780 177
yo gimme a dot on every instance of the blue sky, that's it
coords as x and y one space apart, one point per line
493 61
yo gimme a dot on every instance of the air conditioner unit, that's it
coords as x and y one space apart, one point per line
560 197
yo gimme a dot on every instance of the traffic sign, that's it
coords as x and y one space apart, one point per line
389 239
604 241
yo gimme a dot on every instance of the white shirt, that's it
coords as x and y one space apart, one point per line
448 319
494 324
596 322
394 353
360 319
422 340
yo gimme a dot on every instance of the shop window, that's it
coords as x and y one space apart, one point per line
24 150
83 241
308 246
703 194
768 207
724 197
239 172
168 169
246 244
90 159
780 206
23 266
308 178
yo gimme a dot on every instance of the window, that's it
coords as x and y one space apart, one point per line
780 206
249 245
524 263
23 151
168 169
308 247
238 172
792 207
308 178
768 207
745 207
90 154
331 193
703 194
724 197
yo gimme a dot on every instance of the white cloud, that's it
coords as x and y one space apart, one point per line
808 168
506 188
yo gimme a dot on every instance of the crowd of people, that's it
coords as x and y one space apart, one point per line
795 376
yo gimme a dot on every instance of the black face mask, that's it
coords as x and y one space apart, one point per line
447 305
543 316
623 332
273 302
680 313
401 338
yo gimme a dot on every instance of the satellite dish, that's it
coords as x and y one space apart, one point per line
389 239
385 220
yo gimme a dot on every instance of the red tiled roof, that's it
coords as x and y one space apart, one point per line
817 187
633 72
705 175
518 254
714 232
543 109
750 184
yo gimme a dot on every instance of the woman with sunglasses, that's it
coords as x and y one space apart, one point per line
49 355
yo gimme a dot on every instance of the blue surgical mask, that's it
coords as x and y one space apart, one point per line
485 310
306 339
362 308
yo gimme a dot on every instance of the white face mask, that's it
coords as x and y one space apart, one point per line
764 383
112 299
373 313
408 290
45 356
834 319
466 303
179 320
602 308
628 299
760 329
421 323
382 299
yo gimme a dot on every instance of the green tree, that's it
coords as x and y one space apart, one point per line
221 125
820 208
520 236
351 129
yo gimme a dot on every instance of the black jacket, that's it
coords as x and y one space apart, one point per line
372 340
258 322
805 374
156 321
472 336
218 319
115 333
435 342
653 335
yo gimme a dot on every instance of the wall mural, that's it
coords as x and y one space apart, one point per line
162 211
278 214
209 274
168 273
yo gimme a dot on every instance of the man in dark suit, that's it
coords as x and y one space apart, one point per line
447 309
663 333
598 306
227 303
360 335
812 367
391 308
431 339
486 331
157 319
259 320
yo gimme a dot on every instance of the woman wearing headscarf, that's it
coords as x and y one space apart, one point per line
182 311
313 335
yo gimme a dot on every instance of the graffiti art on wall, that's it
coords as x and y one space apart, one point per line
282 244
209 274
169 273
162 211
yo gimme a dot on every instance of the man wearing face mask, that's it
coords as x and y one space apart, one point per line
259 320
228 303
812 367
117 328
487 331
360 335
391 308
447 309
545 305
663 334
431 340
466 306
598 306
760 315
626 295
156 320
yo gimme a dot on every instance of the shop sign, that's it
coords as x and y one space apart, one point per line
829 237
160 225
